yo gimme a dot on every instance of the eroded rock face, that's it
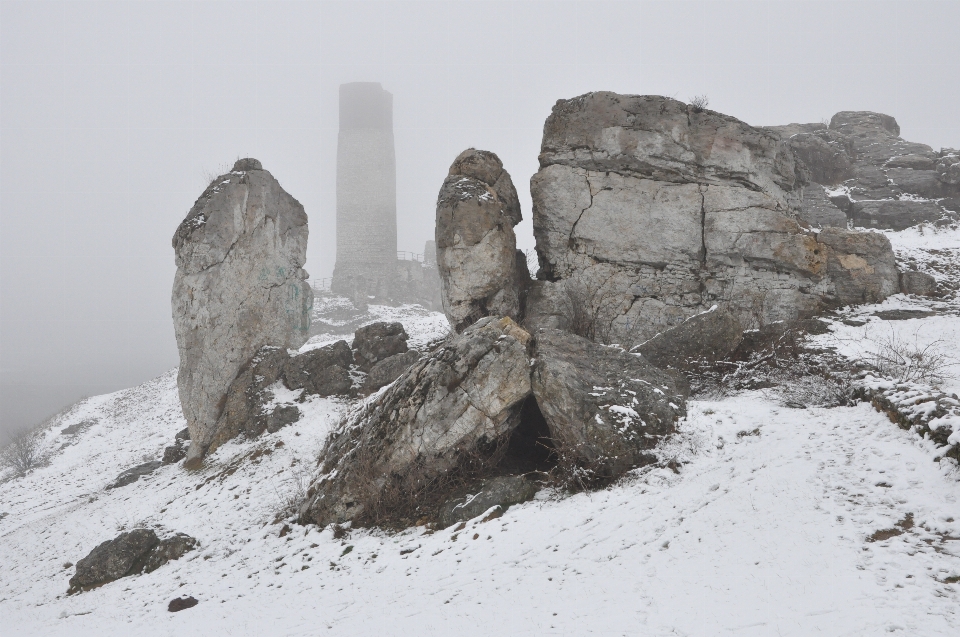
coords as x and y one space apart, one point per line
378 341
250 407
647 212
481 271
919 283
240 286
606 408
710 336
389 369
880 179
130 553
452 405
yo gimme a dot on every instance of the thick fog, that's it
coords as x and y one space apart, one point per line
115 115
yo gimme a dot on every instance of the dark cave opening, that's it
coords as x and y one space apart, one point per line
530 447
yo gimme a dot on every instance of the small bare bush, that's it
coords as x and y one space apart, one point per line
907 360
24 452
699 103
292 495
816 391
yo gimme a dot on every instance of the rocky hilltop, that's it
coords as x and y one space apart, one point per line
860 169
647 211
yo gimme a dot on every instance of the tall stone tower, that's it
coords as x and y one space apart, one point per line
366 192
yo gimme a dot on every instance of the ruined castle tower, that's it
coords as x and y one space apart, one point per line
366 192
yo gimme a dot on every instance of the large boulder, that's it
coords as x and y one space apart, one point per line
239 286
710 336
446 413
481 271
648 211
605 408
378 341
919 283
130 553
389 369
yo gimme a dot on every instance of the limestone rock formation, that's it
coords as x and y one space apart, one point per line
606 408
250 408
709 336
817 210
130 553
389 369
377 341
481 271
878 179
240 285
647 211
452 406
919 283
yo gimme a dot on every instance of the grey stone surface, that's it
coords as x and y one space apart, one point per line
648 212
240 285
606 408
389 369
454 403
249 408
893 213
481 271
133 474
919 283
948 167
710 336
502 491
824 154
323 371
377 341
818 210
130 553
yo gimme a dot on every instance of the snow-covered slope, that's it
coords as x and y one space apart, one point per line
767 526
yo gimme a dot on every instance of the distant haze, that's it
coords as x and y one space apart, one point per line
114 115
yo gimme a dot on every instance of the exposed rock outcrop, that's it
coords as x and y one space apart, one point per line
709 336
240 286
605 408
178 450
389 369
647 211
501 492
880 180
481 271
449 409
133 474
251 407
919 283
378 341
489 403
130 553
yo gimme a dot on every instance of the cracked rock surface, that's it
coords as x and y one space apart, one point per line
647 212
239 286
481 271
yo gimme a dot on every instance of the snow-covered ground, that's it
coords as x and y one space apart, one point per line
768 526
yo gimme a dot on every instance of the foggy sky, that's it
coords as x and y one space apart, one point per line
114 116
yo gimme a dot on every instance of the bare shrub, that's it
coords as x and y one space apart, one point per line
24 452
292 494
591 310
699 103
907 360
814 390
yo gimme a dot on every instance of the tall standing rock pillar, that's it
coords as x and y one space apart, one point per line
240 285
366 192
